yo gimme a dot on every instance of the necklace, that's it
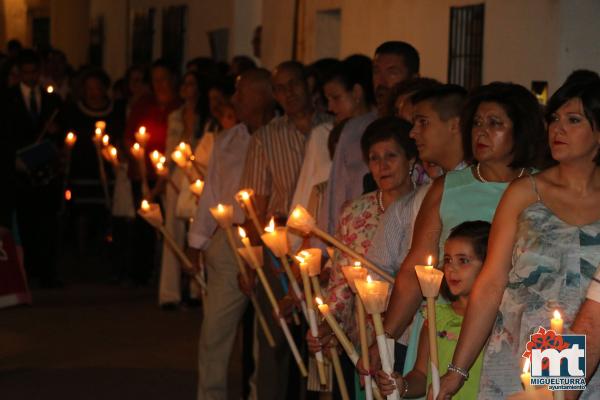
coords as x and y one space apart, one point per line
482 179
380 201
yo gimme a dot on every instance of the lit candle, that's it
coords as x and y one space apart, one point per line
338 331
101 125
526 377
244 197
179 159
111 155
156 157
374 296
98 135
312 318
250 256
145 206
197 187
68 195
300 220
352 273
430 280
556 323
161 170
105 140
137 151
276 240
223 213
70 140
50 89
142 136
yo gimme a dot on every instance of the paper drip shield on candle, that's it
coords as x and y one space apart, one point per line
223 213
258 253
430 280
312 260
277 241
241 195
301 220
152 215
353 273
374 295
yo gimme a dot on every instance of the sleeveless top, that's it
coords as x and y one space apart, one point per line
466 199
448 324
553 264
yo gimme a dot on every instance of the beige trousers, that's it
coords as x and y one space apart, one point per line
223 308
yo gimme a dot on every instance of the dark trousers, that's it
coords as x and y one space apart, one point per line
144 243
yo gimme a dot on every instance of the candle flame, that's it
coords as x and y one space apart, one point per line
526 365
182 146
177 154
297 213
142 130
557 314
429 259
100 125
68 195
162 159
113 151
300 259
357 264
305 254
319 301
145 205
271 227
98 132
160 166
50 89
155 156
136 146
244 195
105 140
70 139
198 183
220 208
242 232
369 279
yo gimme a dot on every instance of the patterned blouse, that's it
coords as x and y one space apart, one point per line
357 224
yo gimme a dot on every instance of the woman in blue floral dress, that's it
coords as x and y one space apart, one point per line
543 251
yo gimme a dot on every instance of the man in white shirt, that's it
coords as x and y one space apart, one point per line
224 303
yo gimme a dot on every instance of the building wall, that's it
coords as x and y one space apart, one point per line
523 40
70 28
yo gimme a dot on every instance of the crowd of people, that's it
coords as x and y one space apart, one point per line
500 190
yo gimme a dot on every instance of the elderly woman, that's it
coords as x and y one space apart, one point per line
390 155
543 250
501 126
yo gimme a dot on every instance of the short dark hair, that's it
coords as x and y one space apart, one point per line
295 66
588 93
405 50
478 233
244 63
225 85
582 75
98 74
411 87
355 70
387 128
165 64
29 57
446 100
525 113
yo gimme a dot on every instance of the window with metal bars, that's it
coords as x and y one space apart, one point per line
465 51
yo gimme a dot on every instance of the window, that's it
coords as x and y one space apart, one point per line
465 52
173 34
142 36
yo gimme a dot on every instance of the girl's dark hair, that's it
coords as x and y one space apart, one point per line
388 128
589 94
525 113
477 232
98 74
354 70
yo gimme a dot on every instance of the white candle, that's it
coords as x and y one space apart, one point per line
556 323
526 377
338 331
223 213
244 197
70 140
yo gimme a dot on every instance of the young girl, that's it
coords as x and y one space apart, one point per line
464 253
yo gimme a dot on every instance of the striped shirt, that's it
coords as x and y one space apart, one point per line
274 161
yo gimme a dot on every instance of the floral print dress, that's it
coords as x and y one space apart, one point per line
553 264
356 228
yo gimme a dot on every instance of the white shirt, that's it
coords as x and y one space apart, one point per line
26 93
222 182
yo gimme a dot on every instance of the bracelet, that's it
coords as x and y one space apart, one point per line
462 372
404 388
